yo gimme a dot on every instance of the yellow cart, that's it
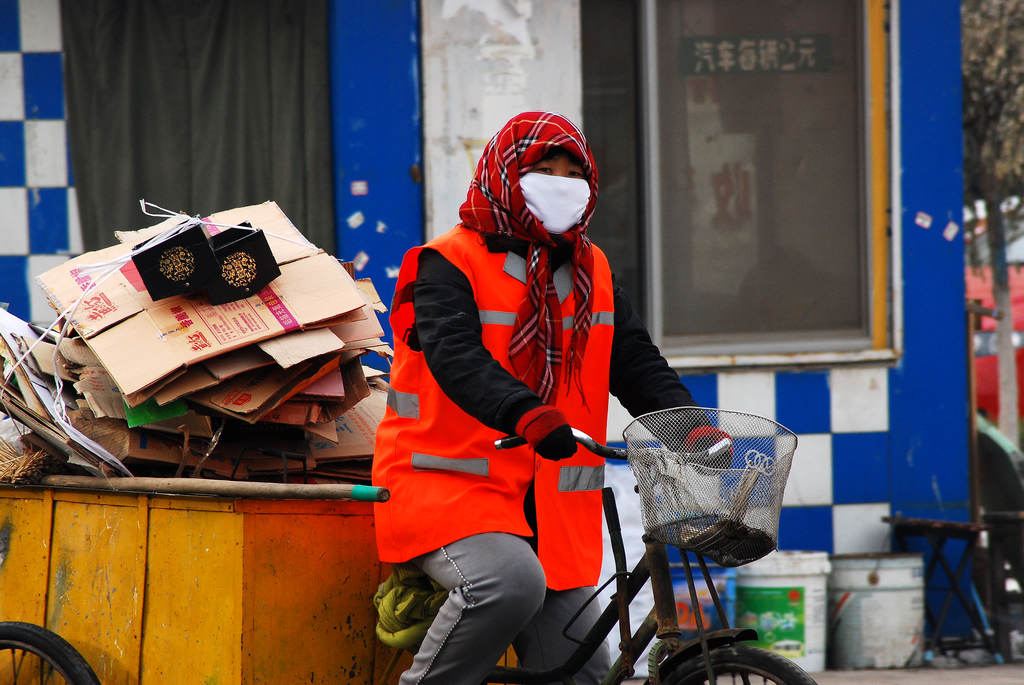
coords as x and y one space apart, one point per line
211 590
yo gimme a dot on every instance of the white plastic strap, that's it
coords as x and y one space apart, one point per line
193 220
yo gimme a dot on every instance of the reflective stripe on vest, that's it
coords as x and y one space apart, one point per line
477 467
579 478
596 319
563 282
405 404
515 266
489 316
497 318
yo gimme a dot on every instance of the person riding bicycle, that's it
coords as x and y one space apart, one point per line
510 323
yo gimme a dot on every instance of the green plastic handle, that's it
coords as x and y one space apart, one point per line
370 493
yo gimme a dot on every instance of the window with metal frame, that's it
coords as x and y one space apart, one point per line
743 153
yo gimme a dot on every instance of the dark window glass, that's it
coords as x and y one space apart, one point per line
610 121
760 180
761 153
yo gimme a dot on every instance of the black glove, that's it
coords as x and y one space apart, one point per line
548 432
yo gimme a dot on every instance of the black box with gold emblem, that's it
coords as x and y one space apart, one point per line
180 264
246 264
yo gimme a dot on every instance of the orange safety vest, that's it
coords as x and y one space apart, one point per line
447 480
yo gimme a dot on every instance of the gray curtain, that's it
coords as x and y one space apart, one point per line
198 106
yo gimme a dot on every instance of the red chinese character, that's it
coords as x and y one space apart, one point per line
97 306
197 341
242 398
731 186
702 90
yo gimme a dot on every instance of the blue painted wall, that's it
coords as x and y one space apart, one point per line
928 457
377 136
928 388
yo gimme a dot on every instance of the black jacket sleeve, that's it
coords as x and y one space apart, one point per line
640 378
449 333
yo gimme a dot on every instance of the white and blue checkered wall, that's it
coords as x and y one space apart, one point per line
39 225
838 489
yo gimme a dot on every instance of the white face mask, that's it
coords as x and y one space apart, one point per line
558 202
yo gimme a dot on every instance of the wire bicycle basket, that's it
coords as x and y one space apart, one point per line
711 480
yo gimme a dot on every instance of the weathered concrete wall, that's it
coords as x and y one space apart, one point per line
484 61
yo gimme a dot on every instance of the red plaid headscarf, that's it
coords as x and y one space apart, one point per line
495 204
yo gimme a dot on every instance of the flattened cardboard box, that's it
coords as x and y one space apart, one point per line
181 331
122 294
195 379
357 430
233 363
250 396
366 327
114 299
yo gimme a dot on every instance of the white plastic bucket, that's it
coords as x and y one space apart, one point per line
783 597
876 611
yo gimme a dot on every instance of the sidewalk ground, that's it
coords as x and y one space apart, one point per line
1008 674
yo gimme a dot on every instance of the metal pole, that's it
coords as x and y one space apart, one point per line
222 488
714 592
651 151
695 604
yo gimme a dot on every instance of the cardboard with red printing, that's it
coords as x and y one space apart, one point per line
181 331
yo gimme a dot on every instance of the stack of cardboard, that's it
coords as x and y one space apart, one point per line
264 387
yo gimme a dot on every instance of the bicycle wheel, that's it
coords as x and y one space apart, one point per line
32 654
739 664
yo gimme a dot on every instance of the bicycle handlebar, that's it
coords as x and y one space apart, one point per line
597 448
510 441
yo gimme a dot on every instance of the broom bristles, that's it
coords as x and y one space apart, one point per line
27 467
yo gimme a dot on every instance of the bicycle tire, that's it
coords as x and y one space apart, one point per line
740 662
49 647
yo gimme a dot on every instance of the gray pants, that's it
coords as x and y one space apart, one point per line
497 597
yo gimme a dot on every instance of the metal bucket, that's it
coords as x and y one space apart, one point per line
876 611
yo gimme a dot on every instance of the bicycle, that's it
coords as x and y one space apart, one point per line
719 501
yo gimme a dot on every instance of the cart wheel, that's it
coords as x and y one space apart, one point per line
31 654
